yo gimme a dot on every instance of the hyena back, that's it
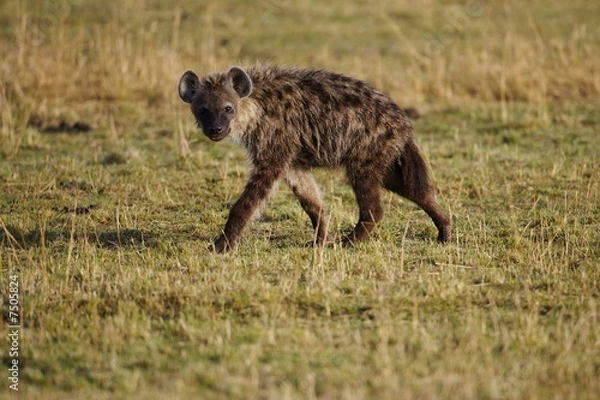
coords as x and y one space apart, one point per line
291 120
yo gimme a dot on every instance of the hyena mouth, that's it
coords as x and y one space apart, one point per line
217 137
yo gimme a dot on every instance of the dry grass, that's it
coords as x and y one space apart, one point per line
69 58
110 199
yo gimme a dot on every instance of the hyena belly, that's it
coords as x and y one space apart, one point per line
291 120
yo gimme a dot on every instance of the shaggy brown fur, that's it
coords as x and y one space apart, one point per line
291 120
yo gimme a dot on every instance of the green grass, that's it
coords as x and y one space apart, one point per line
109 229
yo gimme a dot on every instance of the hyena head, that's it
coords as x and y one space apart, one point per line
215 98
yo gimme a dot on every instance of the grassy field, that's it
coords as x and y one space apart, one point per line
110 198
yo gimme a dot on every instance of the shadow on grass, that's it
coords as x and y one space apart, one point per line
14 237
131 238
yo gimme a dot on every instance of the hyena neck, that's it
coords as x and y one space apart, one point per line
247 116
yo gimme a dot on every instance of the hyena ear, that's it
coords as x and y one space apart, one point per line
189 86
240 80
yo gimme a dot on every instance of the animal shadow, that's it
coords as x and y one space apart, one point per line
14 237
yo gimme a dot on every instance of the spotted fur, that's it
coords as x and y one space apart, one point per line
291 120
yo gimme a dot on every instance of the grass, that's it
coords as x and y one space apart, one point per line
110 198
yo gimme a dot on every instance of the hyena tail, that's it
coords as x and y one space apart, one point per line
408 176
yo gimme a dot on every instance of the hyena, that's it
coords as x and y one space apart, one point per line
291 120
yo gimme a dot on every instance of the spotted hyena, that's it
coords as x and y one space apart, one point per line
291 120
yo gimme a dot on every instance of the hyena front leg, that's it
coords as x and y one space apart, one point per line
367 191
305 188
257 189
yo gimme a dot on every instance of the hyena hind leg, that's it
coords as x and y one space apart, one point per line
408 177
367 192
305 188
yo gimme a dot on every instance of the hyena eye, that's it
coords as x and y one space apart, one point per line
228 109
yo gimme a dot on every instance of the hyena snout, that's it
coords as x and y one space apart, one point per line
215 125
216 130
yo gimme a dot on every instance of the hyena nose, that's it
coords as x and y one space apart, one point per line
216 129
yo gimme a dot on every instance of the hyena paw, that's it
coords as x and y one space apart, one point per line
349 241
444 234
320 242
443 237
221 245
